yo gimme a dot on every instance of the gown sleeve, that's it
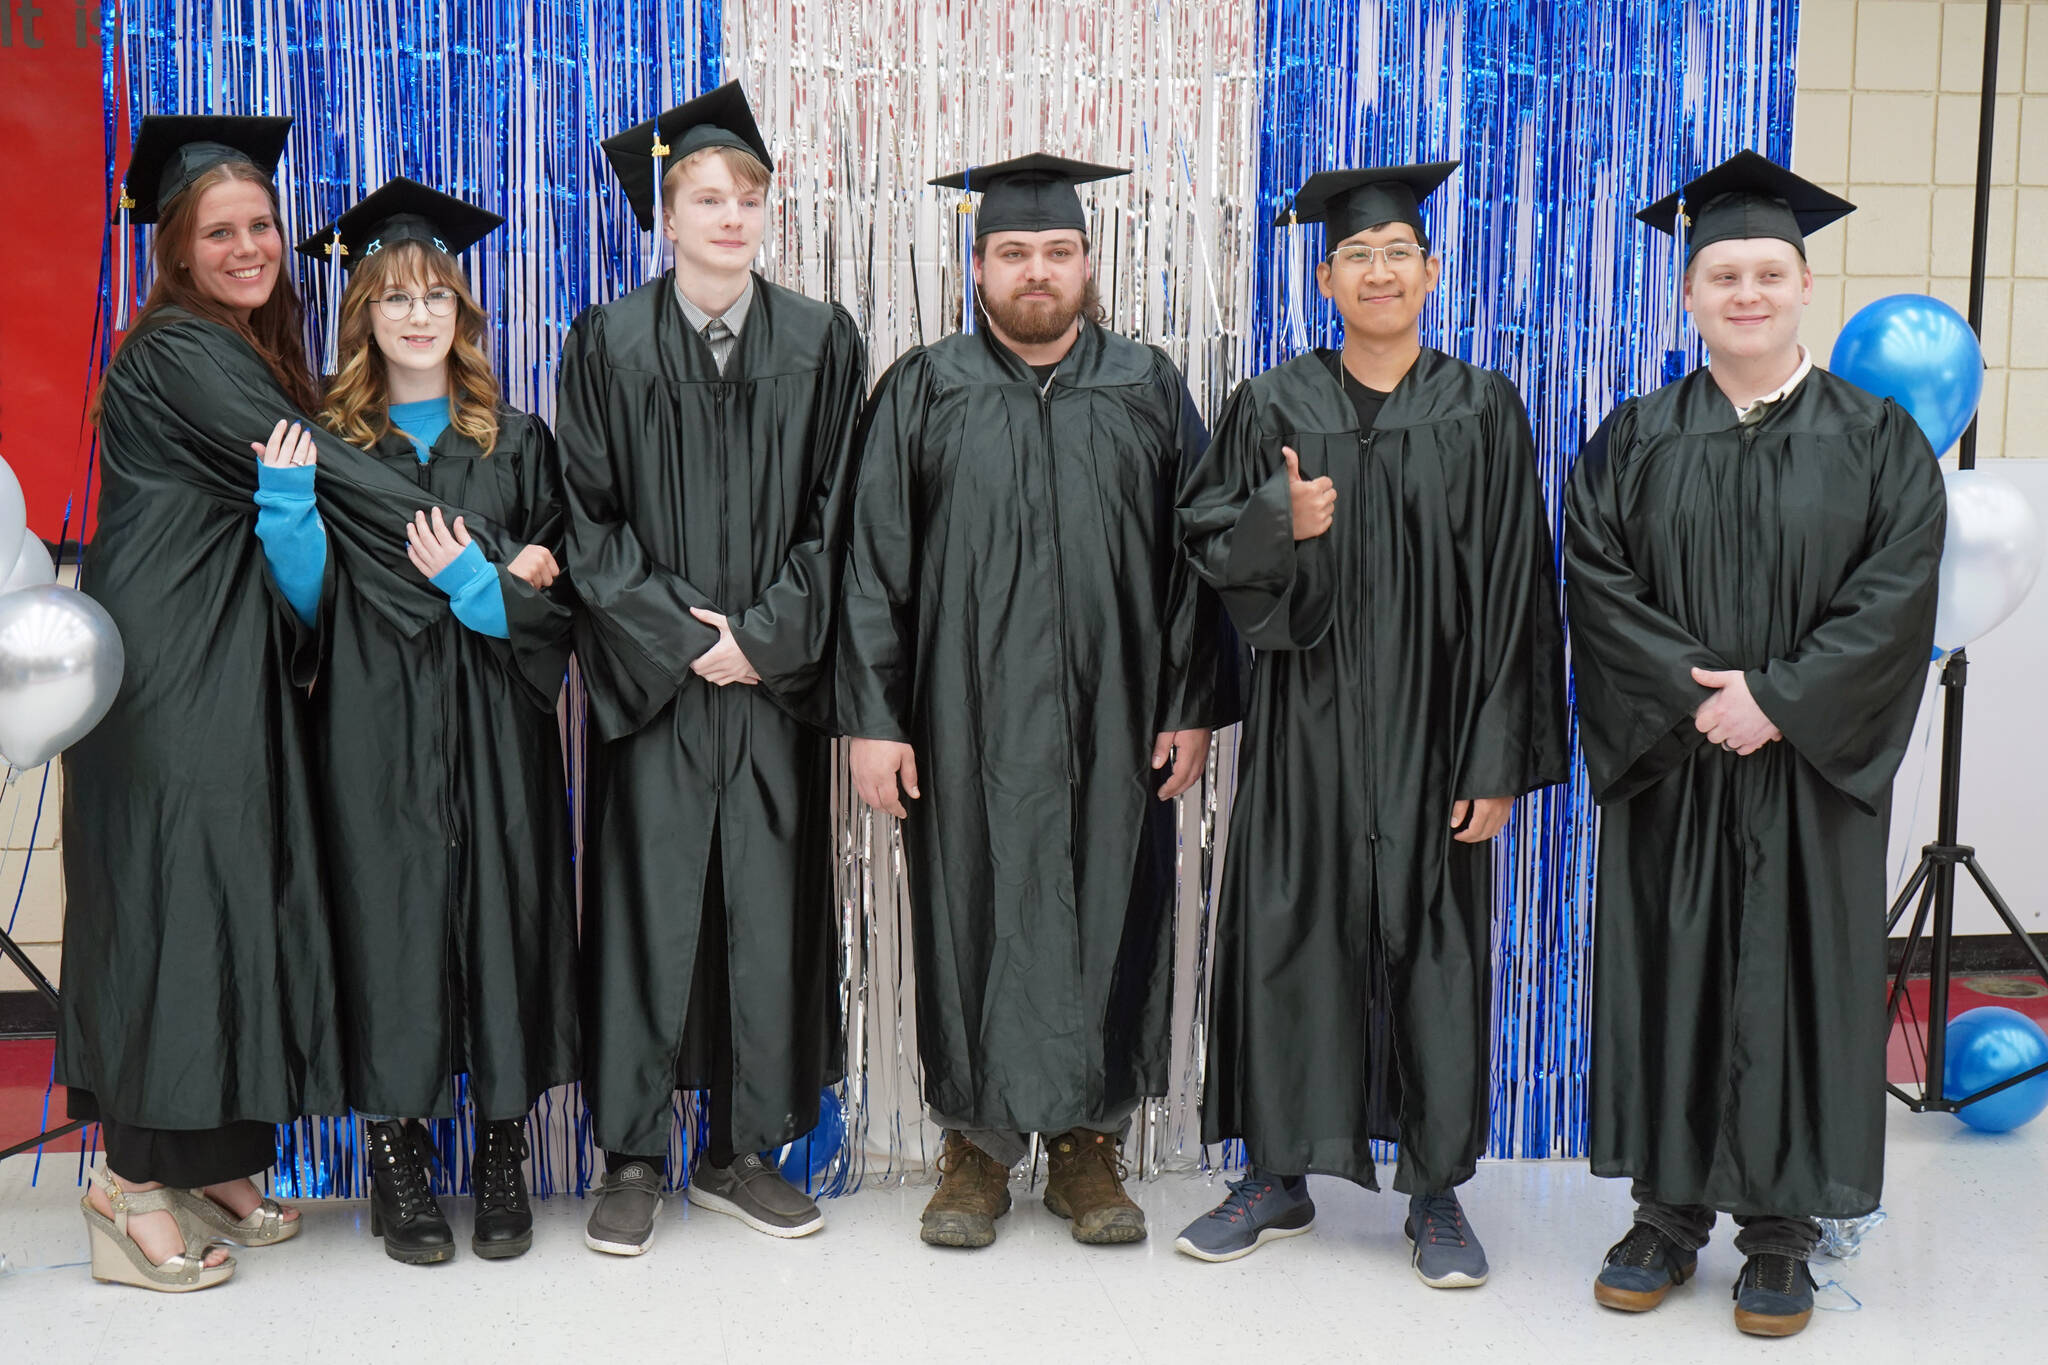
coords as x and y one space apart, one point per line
1633 663
539 622
1198 682
1517 738
1844 697
1237 521
638 636
206 380
786 633
877 653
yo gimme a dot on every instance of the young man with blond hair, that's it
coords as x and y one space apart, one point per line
1750 557
704 426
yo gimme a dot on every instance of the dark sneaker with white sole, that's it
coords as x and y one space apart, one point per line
1774 1297
1259 1209
1447 1252
622 1222
753 1191
1641 1269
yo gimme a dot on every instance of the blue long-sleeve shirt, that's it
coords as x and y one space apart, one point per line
474 592
294 540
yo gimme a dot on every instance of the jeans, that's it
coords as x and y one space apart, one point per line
1758 1234
1010 1148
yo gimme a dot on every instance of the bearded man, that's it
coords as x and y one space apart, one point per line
1030 672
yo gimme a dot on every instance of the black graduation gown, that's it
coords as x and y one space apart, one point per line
690 488
446 818
1408 658
1739 946
1018 611
198 972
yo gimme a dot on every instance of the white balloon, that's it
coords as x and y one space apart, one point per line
32 567
13 515
60 667
1990 556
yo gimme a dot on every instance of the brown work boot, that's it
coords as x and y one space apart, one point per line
1085 1182
974 1191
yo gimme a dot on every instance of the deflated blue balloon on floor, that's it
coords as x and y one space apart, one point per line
1984 1046
1919 352
804 1162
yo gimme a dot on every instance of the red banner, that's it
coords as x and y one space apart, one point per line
53 172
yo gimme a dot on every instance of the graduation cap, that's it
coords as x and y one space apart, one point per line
173 150
401 210
1029 193
718 118
1746 196
1352 202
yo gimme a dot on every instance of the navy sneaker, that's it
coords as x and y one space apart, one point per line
1447 1252
1774 1297
1641 1269
1259 1209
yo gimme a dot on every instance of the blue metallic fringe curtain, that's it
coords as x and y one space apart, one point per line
1567 117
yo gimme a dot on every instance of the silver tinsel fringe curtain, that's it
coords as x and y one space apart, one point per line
1567 117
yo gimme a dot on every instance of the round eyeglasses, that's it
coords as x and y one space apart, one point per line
397 305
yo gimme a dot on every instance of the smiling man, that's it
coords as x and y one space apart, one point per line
1372 519
706 426
1750 559
1032 673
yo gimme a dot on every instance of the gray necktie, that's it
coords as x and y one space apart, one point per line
719 338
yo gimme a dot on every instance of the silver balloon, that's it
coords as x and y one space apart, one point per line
60 666
13 515
32 567
1990 557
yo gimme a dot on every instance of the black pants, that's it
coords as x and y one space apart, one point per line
185 1157
706 1059
1758 1234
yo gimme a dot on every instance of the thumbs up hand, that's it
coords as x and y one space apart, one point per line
1312 501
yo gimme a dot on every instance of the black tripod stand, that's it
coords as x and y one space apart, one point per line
20 959
1934 880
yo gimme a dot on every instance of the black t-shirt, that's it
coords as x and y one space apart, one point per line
1044 372
1367 403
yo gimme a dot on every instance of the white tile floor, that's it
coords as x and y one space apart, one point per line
1959 1272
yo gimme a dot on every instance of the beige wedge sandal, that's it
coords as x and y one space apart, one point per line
116 1259
202 1220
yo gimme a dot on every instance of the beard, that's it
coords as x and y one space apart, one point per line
1035 322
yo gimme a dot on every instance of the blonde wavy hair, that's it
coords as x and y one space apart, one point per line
358 404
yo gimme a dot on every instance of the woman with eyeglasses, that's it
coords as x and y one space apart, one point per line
445 810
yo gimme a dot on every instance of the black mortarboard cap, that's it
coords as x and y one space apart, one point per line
1351 202
1746 196
1029 193
173 150
717 118
403 210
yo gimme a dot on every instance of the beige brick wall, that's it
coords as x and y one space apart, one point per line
39 925
27 846
1886 115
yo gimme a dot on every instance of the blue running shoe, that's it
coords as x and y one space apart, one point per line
1447 1253
1259 1209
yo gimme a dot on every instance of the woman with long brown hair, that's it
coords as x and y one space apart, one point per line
445 815
198 1007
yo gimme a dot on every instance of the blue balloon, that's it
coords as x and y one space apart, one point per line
805 1161
1984 1046
1920 352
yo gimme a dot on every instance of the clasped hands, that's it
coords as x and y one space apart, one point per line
1731 718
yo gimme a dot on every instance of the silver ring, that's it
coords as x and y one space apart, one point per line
1730 745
